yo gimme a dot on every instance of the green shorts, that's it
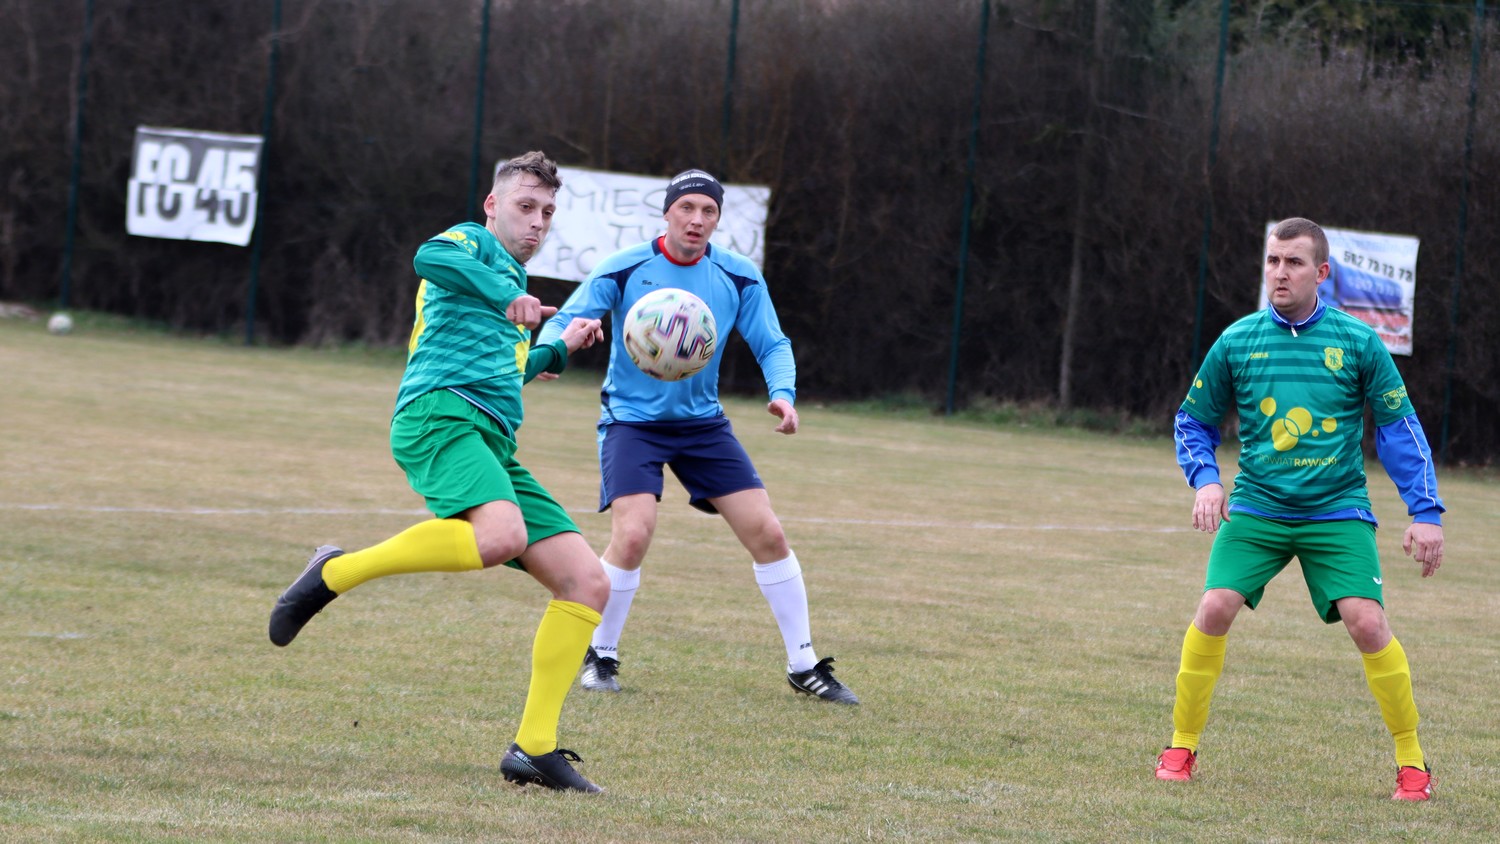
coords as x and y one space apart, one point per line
1339 559
456 457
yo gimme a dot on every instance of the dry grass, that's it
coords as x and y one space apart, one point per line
1008 603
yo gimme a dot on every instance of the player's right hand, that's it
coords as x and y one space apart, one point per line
526 310
582 333
1210 507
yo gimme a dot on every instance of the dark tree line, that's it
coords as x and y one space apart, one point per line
1091 167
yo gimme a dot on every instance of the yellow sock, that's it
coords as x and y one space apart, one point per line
433 545
1389 676
1202 663
556 655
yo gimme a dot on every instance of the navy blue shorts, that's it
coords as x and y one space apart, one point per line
703 453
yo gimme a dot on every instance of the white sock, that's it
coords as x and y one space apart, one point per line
781 583
622 586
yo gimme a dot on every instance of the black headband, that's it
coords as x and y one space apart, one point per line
693 181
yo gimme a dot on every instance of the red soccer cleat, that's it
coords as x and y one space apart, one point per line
1413 784
1176 763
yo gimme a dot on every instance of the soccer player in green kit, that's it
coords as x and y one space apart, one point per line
454 433
1299 375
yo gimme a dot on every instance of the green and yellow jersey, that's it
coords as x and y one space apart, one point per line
1300 394
461 339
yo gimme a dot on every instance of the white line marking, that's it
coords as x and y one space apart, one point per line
215 511
380 511
990 525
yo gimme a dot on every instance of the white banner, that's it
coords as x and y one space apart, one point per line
599 213
188 185
1372 277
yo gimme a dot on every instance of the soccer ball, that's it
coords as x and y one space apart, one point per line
670 334
60 323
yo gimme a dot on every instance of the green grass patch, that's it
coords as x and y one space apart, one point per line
990 413
1007 597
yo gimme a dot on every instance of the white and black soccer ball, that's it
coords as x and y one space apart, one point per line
60 323
670 334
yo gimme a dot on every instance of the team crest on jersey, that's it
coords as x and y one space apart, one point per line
1394 397
1333 358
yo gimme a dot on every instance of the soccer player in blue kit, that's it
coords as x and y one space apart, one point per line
1299 375
646 424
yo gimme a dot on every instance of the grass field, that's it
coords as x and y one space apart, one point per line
1007 602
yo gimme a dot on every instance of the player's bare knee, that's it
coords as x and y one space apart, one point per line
593 589
762 536
498 547
584 583
773 547
629 542
775 541
1216 611
1369 630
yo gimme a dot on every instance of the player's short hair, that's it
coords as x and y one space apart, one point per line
1294 227
534 163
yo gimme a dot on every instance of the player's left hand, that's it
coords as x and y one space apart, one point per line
1423 542
783 410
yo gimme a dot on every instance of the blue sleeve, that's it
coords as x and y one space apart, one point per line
1196 444
1402 449
759 325
591 299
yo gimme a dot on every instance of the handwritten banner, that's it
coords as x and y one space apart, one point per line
599 213
188 185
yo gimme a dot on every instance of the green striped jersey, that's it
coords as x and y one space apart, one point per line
1300 397
461 339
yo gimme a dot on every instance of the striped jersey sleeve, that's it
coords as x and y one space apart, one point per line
461 339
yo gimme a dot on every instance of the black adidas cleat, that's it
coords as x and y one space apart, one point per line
305 598
599 672
819 682
550 770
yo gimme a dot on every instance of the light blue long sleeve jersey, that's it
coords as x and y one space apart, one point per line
733 289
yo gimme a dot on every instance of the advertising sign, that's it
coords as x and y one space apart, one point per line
188 185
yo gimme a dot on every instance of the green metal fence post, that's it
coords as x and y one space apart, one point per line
266 124
484 53
734 37
963 239
1476 50
77 166
1208 192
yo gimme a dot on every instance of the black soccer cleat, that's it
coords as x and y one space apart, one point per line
599 672
819 682
305 598
550 770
